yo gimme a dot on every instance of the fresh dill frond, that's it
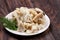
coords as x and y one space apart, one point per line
9 24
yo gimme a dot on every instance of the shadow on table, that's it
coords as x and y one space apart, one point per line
28 37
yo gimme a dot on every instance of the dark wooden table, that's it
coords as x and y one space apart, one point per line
50 7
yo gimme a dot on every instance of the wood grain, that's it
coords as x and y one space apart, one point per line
50 7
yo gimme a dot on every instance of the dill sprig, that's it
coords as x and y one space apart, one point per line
9 24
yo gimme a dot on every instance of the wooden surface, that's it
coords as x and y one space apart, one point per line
50 7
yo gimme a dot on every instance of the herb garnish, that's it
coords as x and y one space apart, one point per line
9 24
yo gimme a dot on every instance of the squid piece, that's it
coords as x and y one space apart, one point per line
39 11
35 19
20 26
18 12
32 11
27 26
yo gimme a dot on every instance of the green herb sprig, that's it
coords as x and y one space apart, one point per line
9 24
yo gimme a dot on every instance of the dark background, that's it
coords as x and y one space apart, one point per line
50 7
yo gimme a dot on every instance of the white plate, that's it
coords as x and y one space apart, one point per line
9 16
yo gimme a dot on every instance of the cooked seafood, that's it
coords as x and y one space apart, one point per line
29 20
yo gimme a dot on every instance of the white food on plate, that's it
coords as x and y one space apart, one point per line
29 20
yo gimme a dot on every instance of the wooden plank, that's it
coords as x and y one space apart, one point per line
50 7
